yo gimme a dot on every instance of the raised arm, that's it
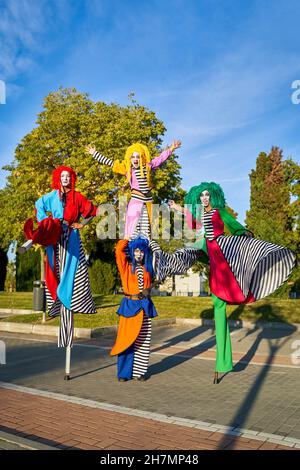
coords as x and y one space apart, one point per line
91 149
121 259
234 227
191 222
116 165
157 161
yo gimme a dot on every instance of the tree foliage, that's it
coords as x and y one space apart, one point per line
28 268
269 214
274 213
103 276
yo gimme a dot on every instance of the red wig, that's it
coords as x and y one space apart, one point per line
56 175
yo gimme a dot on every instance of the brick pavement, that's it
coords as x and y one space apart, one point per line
65 425
262 399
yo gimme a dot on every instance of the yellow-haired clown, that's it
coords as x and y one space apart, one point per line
136 166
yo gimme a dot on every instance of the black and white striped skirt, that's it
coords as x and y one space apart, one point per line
258 266
82 300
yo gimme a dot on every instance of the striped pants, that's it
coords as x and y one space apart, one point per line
142 349
134 361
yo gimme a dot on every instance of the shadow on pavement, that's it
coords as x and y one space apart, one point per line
274 338
35 438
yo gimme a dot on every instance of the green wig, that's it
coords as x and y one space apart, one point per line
217 198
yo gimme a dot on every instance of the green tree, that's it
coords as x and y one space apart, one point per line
28 269
271 216
103 277
10 281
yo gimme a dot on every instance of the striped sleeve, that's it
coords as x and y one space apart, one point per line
169 264
154 246
102 159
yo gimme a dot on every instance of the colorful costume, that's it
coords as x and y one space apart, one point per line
67 282
139 214
134 333
242 268
136 310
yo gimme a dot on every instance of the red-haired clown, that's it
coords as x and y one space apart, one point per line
67 281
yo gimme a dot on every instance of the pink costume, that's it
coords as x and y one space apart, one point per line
139 210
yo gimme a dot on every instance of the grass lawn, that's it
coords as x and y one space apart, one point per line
167 307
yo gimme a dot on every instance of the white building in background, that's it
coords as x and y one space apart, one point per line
190 284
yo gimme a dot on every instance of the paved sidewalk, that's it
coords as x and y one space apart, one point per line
177 408
66 425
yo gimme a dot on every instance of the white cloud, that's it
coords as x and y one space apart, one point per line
24 25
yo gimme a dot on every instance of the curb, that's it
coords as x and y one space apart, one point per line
240 324
26 444
80 333
17 311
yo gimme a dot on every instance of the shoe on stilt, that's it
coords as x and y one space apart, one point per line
216 378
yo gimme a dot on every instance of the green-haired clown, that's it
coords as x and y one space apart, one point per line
242 269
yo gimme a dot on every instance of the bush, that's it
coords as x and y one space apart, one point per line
103 276
28 269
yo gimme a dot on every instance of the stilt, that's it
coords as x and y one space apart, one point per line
68 363
216 378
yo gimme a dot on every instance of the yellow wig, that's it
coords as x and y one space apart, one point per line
124 167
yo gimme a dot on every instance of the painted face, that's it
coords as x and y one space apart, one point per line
65 179
205 198
138 255
135 159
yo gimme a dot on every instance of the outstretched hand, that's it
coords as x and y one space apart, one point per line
91 149
175 145
77 225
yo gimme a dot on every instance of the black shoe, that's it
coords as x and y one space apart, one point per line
142 378
122 379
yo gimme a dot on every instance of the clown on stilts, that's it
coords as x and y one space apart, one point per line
242 269
67 281
137 166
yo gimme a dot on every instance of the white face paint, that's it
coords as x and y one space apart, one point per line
65 179
135 159
138 255
205 198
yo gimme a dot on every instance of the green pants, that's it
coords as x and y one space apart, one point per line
224 353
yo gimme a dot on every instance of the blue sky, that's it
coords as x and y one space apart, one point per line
217 72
